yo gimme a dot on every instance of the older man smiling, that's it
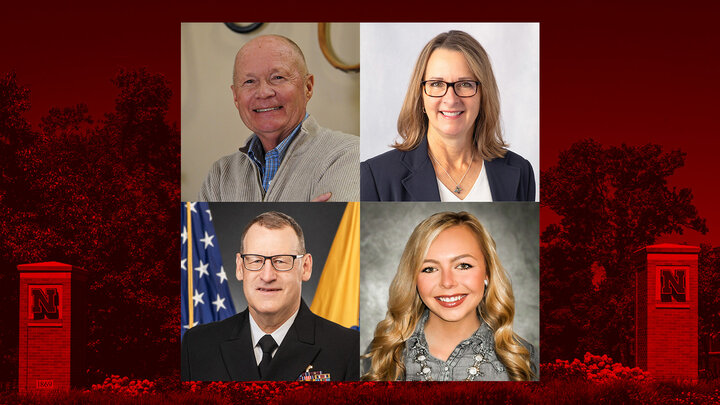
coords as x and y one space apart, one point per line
289 157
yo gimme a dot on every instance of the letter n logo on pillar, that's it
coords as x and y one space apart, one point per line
44 304
673 285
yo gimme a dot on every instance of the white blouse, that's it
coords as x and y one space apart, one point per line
480 191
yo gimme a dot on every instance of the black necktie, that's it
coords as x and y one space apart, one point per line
267 344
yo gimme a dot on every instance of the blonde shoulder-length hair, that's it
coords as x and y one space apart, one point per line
412 122
405 307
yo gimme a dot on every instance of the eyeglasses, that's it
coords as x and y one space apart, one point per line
279 262
438 88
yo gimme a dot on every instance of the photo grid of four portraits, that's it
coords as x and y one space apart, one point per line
407 157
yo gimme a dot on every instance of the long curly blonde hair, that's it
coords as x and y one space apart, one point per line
405 307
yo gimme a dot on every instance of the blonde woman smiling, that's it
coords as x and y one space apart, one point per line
450 311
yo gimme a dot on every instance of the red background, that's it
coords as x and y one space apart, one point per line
619 73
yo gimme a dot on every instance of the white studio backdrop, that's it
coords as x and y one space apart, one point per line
388 53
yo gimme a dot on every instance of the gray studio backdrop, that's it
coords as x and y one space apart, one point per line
319 223
386 227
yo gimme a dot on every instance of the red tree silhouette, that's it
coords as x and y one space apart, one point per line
92 194
611 202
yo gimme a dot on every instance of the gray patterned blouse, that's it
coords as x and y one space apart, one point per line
473 359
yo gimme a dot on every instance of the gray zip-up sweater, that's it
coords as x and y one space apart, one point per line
319 160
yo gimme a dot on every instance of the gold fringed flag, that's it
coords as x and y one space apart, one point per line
337 297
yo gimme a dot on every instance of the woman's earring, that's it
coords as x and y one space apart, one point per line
486 283
424 110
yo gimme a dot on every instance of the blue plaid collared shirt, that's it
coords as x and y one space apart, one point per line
271 163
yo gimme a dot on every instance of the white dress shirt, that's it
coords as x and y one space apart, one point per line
256 334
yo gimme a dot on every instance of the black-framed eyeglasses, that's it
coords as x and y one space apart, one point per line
438 88
279 262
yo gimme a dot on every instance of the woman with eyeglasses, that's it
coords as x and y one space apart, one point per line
450 311
452 147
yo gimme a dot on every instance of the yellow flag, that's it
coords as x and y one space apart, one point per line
337 297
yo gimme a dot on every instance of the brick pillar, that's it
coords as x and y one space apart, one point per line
53 326
666 311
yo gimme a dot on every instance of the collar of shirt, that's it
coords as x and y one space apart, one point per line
482 333
279 335
456 367
269 162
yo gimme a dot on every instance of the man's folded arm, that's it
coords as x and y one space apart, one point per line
341 177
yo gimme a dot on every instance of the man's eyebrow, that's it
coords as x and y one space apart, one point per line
285 71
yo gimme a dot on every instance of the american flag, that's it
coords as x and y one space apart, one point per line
206 289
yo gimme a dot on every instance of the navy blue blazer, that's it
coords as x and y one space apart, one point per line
410 176
223 350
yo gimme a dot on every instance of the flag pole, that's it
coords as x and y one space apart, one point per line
191 311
